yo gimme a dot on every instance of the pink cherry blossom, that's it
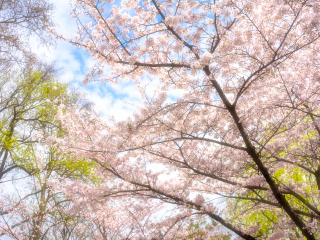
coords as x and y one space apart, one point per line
247 123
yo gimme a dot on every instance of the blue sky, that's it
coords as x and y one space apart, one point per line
111 100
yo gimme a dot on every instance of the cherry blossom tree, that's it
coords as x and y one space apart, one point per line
246 129
21 23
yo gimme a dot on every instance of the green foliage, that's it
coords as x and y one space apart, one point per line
197 229
79 169
30 104
245 212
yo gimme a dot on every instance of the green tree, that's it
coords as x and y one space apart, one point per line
29 102
255 209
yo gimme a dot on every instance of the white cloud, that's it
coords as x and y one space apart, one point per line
110 100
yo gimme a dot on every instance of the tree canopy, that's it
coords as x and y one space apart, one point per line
21 20
235 157
245 130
